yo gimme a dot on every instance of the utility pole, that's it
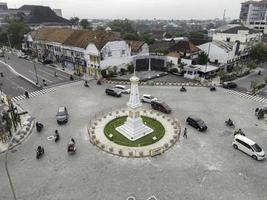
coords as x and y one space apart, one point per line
9 43
35 70
7 171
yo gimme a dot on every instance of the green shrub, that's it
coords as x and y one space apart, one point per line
130 68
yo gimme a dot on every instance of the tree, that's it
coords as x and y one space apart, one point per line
130 68
147 38
85 24
122 26
259 53
203 58
74 20
15 33
130 36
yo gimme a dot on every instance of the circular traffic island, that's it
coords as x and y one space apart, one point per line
113 135
103 134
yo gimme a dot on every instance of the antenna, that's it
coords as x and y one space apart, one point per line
224 12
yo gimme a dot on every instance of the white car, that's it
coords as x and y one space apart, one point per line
248 146
123 89
147 98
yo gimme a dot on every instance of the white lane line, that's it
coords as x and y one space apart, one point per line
53 75
46 79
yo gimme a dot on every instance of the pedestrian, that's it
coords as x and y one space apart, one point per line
55 74
26 94
185 133
44 83
73 141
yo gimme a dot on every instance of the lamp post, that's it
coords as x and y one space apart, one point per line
35 70
7 171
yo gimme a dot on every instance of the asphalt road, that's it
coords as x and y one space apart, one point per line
203 167
12 85
44 72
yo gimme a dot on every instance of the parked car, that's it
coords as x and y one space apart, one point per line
147 98
45 62
123 89
260 112
113 92
229 85
197 123
62 115
248 146
161 106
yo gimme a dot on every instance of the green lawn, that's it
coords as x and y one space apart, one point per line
118 138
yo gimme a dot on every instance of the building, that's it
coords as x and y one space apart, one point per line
253 14
196 71
221 52
34 16
246 37
84 51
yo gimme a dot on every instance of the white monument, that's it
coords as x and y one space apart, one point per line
134 128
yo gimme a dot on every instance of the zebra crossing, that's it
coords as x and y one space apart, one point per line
248 96
43 91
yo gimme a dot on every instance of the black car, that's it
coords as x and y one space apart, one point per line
46 62
196 123
161 106
229 85
62 115
113 92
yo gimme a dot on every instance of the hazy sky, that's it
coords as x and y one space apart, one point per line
140 9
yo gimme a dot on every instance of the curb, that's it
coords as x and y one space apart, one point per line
23 139
20 75
162 83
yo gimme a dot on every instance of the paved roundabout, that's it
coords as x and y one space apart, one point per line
171 127
204 166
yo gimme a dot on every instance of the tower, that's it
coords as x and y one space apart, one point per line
134 128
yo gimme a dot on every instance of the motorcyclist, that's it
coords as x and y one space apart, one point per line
72 140
230 122
71 78
39 149
86 84
56 135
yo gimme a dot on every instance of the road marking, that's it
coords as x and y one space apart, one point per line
53 75
247 96
39 76
46 90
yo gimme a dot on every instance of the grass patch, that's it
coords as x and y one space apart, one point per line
118 138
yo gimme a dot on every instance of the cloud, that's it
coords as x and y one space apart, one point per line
133 9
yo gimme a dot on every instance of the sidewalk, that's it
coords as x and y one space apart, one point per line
23 131
71 72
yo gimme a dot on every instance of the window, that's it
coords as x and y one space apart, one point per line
109 54
123 52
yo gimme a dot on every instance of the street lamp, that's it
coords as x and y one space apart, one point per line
35 70
7 171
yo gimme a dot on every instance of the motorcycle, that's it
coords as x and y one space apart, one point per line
212 88
39 152
99 82
71 148
182 89
86 84
240 132
230 123
39 127
56 137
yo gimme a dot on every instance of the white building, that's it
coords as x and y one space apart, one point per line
82 50
245 36
221 52
253 14
195 71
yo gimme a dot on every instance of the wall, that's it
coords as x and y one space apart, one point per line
116 49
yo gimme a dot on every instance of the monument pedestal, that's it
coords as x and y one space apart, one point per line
134 128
